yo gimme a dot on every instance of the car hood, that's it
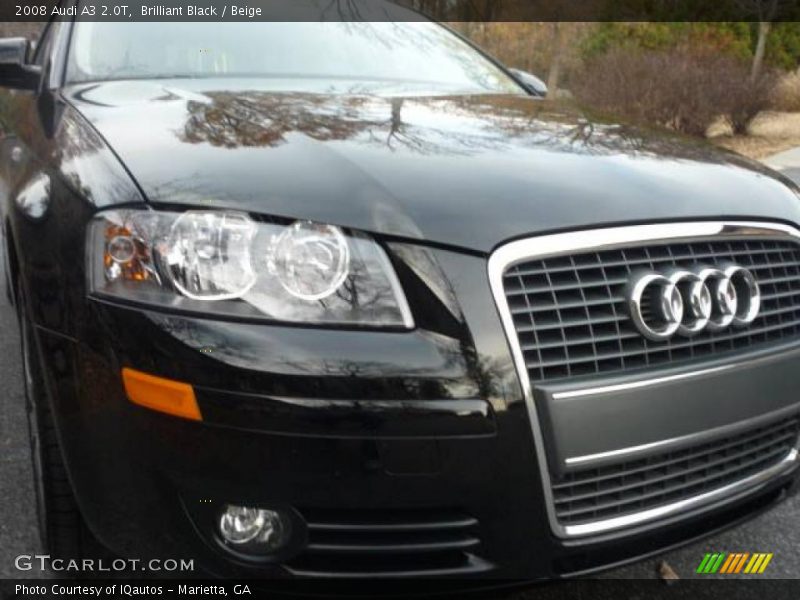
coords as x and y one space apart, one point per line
466 171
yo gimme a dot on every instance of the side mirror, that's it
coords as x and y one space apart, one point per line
14 70
530 82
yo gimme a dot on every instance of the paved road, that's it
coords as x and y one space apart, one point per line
787 162
777 531
18 528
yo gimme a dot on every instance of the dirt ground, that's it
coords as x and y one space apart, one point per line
770 132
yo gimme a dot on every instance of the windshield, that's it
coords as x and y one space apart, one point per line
385 54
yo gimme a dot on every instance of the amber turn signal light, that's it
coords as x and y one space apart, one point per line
164 395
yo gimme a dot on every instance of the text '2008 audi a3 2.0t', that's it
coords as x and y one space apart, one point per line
344 299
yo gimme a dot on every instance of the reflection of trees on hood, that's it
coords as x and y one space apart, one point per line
446 125
401 134
565 128
81 150
260 119
253 119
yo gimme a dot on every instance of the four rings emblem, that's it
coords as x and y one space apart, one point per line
688 301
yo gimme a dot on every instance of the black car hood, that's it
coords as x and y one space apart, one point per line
467 171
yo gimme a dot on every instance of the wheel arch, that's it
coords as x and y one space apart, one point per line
12 263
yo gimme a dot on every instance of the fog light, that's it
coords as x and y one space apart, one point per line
255 530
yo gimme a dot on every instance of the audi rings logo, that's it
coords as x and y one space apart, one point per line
688 301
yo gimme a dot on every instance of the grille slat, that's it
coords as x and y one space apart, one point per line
683 345
642 502
631 486
581 341
700 478
578 303
670 459
777 446
389 543
571 318
687 257
562 287
783 279
432 545
568 323
442 524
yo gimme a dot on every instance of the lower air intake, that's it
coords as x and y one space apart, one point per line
634 486
393 543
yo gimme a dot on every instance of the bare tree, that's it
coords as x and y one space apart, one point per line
557 46
765 11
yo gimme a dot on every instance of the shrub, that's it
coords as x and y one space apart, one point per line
685 88
746 98
786 93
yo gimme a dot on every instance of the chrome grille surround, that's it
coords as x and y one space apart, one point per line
565 244
572 317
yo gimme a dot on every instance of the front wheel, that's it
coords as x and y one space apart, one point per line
62 529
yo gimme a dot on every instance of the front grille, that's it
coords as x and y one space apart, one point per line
570 316
636 485
389 543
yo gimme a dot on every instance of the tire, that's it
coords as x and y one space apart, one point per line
5 250
63 531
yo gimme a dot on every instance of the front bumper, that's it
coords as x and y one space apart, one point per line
401 454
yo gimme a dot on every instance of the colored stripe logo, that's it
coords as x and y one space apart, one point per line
732 563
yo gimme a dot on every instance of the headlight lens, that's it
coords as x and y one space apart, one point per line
310 260
227 263
208 255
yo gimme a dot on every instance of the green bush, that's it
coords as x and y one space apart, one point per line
735 39
728 38
783 45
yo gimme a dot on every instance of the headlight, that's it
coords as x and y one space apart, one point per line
226 263
311 261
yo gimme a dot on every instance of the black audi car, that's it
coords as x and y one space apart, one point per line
345 299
